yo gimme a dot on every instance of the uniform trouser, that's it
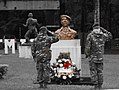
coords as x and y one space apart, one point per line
43 70
96 71
29 32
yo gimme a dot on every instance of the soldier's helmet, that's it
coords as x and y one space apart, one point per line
30 15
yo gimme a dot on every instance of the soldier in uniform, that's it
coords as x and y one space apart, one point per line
31 24
65 32
42 55
94 50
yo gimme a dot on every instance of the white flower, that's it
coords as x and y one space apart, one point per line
59 61
64 60
64 77
56 63
55 74
61 65
70 76
59 75
74 67
54 69
73 63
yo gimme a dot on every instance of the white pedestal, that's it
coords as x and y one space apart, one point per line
72 46
25 52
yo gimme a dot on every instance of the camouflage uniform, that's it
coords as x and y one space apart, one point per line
42 54
94 49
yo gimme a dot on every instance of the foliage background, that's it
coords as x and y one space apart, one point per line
81 11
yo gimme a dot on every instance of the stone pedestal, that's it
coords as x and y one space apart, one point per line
72 46
25 51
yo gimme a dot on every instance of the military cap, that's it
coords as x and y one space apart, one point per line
68 17
30 15
43 29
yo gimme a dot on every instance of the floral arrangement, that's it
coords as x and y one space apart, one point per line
64 67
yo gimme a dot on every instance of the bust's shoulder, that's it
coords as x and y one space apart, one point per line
58 30
73 31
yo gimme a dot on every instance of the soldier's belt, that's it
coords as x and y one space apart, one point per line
43 51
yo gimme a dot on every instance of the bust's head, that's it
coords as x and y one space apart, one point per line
65 20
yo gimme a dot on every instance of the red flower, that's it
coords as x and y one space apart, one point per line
66 64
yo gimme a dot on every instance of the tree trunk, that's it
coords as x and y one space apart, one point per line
97 12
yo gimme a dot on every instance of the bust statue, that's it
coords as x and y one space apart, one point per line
65 32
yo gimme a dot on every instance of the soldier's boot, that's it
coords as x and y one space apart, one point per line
100 86
41 81
96 87
36 82
41 85
49 81
45 84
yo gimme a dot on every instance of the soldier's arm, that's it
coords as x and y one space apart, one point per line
88 46
54 38
107 34
52 33
57 32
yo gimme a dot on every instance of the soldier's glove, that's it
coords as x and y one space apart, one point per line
34 55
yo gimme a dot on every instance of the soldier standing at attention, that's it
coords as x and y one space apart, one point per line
65 32
42 55
94 50
31 24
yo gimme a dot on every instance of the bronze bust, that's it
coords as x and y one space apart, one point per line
65 32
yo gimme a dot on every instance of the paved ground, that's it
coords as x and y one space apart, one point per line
21 73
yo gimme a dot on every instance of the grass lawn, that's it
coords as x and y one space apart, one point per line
21 73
